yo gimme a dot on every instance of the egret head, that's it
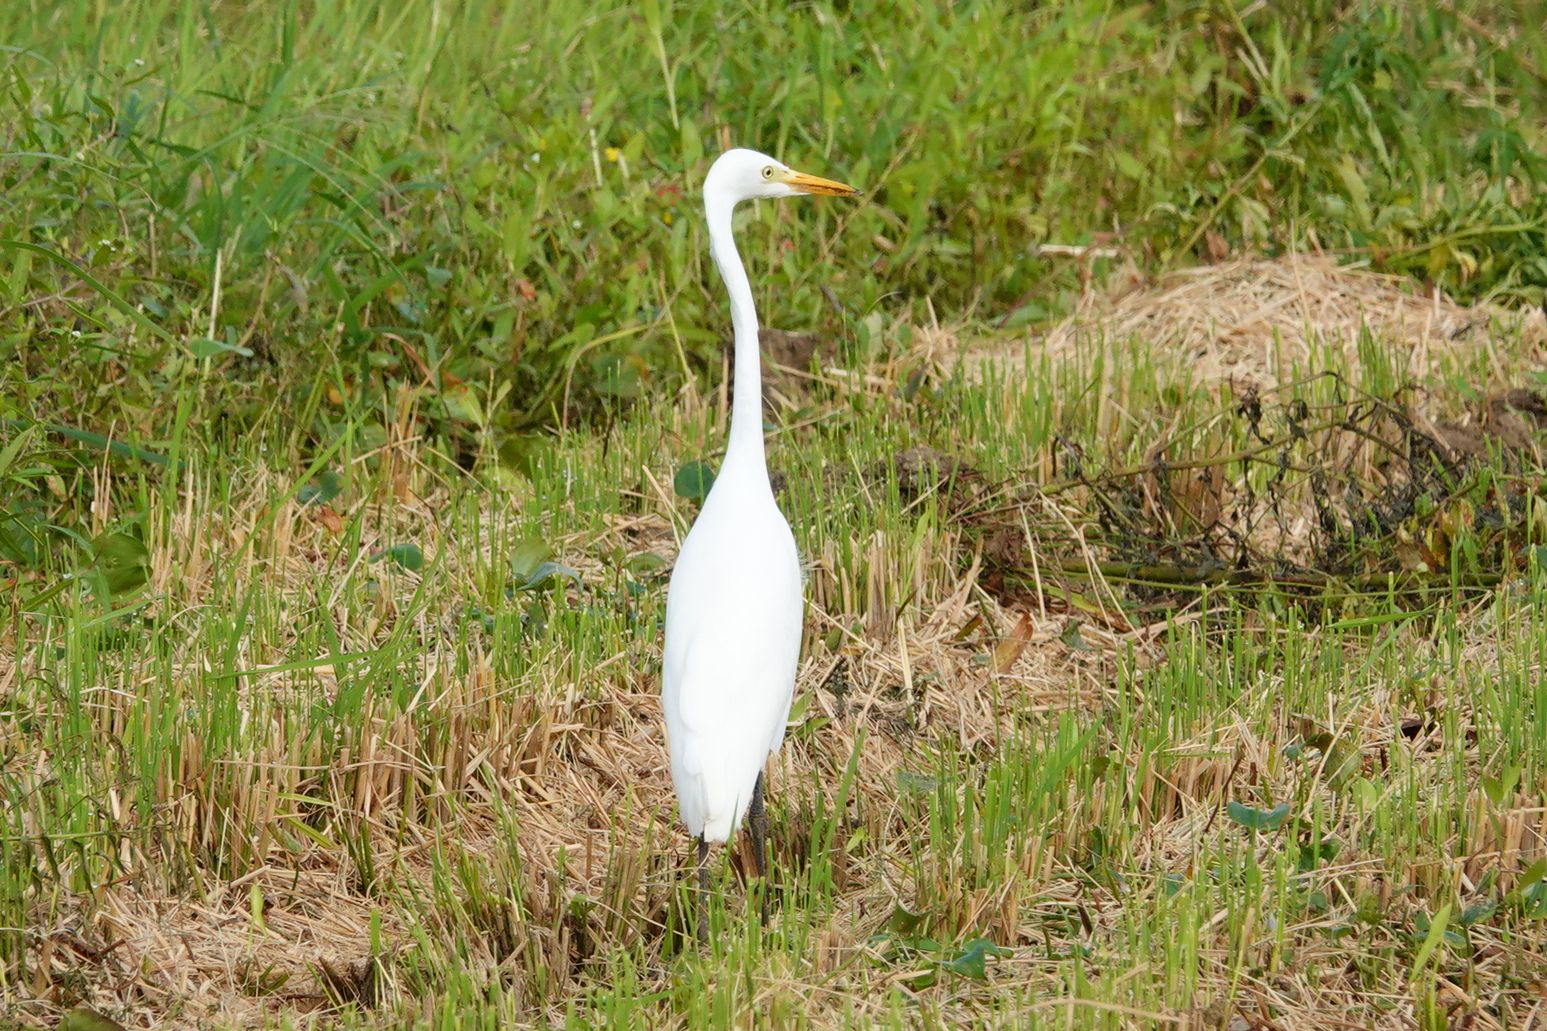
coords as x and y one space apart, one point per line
741 174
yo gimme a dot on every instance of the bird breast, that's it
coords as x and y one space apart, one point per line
737 567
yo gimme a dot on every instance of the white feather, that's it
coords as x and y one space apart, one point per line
733 622
733 610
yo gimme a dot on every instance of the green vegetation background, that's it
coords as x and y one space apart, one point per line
229 201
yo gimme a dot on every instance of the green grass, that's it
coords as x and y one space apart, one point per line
308 714
452 779
218 192
351 356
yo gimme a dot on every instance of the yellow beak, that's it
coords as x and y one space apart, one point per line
816 184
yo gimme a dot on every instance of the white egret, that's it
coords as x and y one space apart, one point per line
733 610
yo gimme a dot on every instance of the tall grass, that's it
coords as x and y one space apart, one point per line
502 203
356 706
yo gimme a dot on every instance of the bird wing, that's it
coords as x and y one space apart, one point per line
733 624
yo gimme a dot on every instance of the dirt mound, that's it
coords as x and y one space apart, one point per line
1253 321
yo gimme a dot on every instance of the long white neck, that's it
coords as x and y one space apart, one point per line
744 454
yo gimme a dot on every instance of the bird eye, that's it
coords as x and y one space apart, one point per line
768 171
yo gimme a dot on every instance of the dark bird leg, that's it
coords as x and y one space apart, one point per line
703 890
757 823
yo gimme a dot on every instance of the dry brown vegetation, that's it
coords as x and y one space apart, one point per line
1260 322
520 824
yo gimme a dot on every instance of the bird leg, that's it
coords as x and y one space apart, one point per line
757 823
703 890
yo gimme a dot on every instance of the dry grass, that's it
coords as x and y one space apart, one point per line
585 777
520 826
1261 322
1333 387
160 958
583 772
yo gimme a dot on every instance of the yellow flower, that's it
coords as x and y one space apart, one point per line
666 218
613 153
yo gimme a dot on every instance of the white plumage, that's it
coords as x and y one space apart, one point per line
733 622
733 611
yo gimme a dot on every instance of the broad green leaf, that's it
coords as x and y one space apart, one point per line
1072 638
1343 761
255 906
1257 819
206 347
1478 913
327 487
972 961
84 1018
123 561
521 453
1431 940
21 539
1501 789
516 236
1128 164
1535 873
693 480
545 573
1365 792
1313 854
527 555
409 556
904 921
644 563
1531 890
